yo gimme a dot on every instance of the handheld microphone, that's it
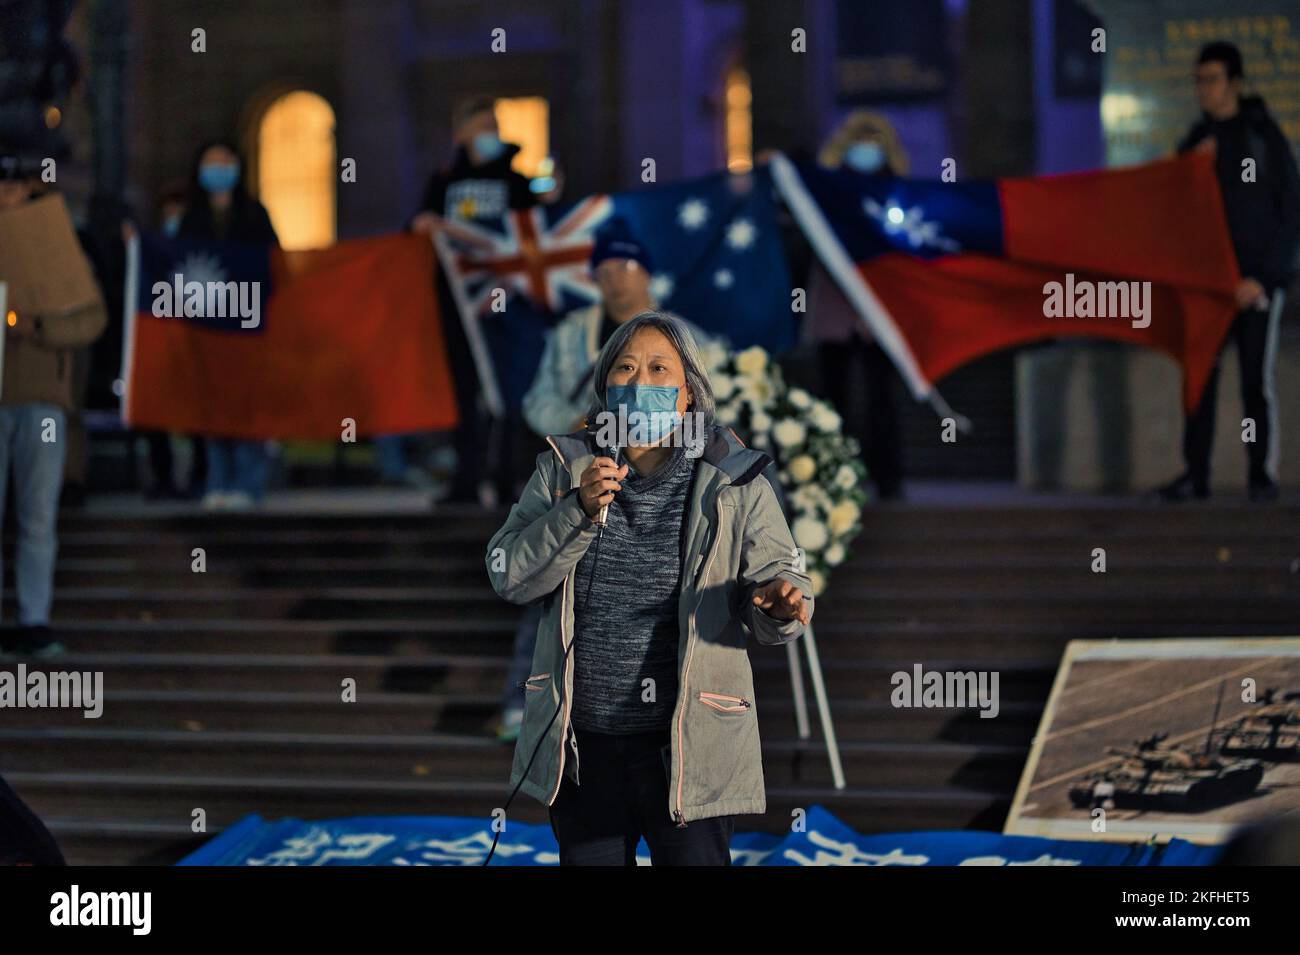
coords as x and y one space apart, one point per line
604 510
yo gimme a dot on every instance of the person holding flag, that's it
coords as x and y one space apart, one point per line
856 373
221 209
1264 220
478 185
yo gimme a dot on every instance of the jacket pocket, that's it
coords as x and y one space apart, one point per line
535 682
724 703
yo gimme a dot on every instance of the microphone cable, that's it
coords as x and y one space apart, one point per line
564 663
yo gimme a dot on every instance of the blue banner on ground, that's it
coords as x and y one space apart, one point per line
453 840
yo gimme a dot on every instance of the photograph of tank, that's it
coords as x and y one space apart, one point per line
1164 738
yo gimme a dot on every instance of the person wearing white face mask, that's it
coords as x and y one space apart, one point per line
478 185
857 375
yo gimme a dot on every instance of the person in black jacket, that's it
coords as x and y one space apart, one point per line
478 185
1263 212
220 207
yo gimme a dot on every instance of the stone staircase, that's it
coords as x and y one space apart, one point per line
223 688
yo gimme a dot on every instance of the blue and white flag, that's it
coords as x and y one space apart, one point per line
822 840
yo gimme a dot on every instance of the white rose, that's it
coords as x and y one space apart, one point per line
752 361
800 398
845 478
727 415
761 421
843 516
756 391
788 433
818 582
803 468
834 554
723 385
809 533
713 355
824 417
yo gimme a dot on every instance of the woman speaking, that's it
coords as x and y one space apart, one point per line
640 718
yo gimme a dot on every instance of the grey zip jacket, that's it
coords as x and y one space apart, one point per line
735 539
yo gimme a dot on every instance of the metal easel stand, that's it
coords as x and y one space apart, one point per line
809 642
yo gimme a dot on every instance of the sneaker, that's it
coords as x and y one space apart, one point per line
47 650
508 729
239 501
1183 488
214 501
1263 491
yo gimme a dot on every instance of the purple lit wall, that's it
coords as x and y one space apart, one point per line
1069 129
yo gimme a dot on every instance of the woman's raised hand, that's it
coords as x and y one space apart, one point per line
598 484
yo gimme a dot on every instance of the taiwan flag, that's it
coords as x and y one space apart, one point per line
254 342
944 273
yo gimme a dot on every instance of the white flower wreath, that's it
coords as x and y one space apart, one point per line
820 468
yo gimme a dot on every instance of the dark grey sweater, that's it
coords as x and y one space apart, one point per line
628 631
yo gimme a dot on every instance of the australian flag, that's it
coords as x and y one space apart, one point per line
718 257
718 263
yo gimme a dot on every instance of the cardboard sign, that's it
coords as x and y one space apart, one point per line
42 261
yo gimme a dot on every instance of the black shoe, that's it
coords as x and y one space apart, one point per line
35 641
1183 488
1263 491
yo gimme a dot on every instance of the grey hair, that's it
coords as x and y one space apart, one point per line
679 333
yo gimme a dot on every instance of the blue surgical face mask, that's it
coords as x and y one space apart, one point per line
218 177
865 157
488 146
657 406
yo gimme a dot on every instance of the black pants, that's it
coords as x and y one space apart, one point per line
858 378
623 796
484 446
160 460
1252 330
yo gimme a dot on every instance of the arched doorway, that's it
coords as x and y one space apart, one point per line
297 171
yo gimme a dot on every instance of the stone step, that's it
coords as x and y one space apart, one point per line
473 714
387 756
861 679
